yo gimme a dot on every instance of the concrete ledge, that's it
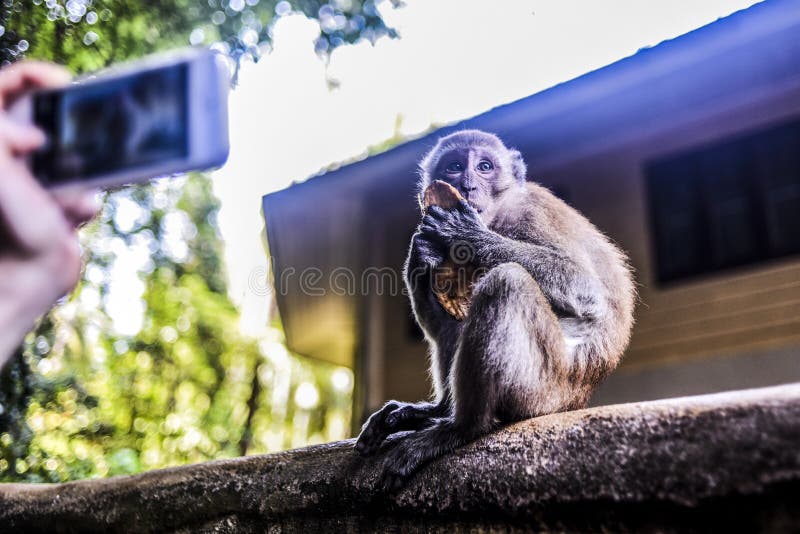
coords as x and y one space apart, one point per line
722 462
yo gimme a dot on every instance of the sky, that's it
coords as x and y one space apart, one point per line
294 113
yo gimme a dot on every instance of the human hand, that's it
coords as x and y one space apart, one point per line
39 253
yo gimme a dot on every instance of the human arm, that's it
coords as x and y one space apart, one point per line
39 252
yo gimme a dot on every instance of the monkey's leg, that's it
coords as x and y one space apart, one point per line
398 416
442 332
510 348
394 417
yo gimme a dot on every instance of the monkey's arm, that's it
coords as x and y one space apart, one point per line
423 257
572 289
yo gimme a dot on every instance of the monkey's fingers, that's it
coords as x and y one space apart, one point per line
428 253
435 219
375 431
369 441
405 417
371 438
465 207
436 213
430 231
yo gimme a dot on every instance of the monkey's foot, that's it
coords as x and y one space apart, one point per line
399 464
393 417
375 430
410 452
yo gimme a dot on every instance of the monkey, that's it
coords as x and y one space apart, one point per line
548 319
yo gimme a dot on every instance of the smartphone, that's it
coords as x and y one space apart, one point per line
162 115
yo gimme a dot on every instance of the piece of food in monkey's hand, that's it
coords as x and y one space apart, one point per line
453 279
440 194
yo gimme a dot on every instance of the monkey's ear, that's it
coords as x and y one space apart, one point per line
518 166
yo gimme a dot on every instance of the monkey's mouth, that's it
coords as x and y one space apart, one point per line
475 206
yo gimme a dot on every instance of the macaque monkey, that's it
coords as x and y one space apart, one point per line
549 314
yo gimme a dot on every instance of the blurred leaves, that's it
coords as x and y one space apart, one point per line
89 34
143 365
186 387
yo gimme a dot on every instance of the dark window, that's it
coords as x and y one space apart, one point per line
732 203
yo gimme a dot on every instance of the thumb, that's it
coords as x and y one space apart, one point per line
78 206
18 138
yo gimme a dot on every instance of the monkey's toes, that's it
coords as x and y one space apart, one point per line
399 465
369 441
393 477
392 482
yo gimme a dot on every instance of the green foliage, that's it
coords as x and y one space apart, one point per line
89 34
85 397
187 387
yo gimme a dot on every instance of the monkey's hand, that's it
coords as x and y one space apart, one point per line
455 226
424 252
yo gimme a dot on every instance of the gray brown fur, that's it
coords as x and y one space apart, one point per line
549 319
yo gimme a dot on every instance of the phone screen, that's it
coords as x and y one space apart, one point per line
114 125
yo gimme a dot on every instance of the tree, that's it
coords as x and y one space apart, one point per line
86 397
89 34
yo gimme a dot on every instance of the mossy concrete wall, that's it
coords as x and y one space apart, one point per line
718 462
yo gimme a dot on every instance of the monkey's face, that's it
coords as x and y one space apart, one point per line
478 165
480 173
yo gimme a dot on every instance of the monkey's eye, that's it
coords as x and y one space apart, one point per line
455 167
485 166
